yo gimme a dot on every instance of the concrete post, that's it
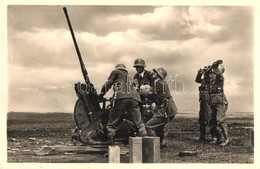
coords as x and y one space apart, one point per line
249 136
135 150
151 150
113 154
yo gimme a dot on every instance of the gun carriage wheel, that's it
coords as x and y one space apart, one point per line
80 115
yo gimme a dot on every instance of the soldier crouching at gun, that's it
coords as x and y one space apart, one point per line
203 77
165 109
219 105
125 100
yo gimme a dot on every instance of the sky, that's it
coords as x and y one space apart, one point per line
43 65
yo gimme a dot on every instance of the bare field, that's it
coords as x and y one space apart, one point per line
28 132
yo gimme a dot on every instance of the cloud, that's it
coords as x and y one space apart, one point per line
43 79
43 61
41 48
162 23
91 18
117 44
40 90
176 23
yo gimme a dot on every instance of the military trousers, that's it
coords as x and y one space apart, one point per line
217 120
118 113
204 113
155 126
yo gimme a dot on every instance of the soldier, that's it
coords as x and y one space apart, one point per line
203 77
144 78
165 109
219 105
125 99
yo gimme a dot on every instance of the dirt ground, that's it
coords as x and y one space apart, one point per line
28 132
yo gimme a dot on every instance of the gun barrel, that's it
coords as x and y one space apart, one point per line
82 65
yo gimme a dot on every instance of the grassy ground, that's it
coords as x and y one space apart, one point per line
28 132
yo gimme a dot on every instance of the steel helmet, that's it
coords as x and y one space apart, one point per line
139 62
161 72
120 66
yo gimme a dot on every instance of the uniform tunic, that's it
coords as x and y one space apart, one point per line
204 99
165 109
219 106
126 100
146 78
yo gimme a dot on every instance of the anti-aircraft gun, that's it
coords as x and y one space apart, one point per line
90 113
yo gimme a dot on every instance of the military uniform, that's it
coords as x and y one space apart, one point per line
204 99
144 78
219 106
125 100
165 108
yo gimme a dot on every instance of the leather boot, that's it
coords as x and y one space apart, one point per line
224 130
213 132
202 131
162 140
213 141
163 143
202 137
111 138
218 135
227 141
142 131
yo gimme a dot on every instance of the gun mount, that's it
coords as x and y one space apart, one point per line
90 113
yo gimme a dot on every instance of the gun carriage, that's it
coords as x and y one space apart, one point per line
90 113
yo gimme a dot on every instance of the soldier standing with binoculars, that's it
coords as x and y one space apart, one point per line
219 106
203 77
213 103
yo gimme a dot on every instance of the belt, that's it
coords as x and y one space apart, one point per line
203 88
216 91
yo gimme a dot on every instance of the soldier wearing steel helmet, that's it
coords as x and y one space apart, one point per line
219 106
165 109
144 78
126 100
